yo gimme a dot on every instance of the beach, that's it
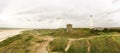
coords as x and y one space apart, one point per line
4 34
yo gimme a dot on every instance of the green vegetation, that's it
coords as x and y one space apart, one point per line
78 46
106 41
101 44
10 40
13 44
105 44
20 43
76 33
58 44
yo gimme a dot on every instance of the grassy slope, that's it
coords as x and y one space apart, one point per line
25 42
58 44
107 43
21 43
76 33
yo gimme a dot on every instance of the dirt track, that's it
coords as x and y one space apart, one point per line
42 46
88 43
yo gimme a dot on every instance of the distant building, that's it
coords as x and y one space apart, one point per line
69 28
98 28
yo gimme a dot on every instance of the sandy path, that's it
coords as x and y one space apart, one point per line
88 43
88 46
8 33
42 46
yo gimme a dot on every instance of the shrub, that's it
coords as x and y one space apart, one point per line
58 44
10 40
78 46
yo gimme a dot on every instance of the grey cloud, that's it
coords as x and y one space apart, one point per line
115 1
58 13
115 11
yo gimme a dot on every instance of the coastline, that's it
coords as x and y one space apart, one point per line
4 34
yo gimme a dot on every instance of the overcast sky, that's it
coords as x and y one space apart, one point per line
58 13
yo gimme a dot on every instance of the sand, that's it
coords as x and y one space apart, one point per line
4 34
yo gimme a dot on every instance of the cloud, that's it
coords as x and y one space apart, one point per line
57 13
115 1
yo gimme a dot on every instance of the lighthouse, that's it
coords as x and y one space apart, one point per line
91 22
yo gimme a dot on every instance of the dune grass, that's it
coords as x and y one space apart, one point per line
78 46
108 42
20 43
58 44
102 44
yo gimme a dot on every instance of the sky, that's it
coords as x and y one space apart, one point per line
58 13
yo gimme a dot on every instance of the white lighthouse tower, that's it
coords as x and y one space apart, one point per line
91 22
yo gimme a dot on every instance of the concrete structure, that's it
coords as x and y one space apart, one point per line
98 28
69 28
